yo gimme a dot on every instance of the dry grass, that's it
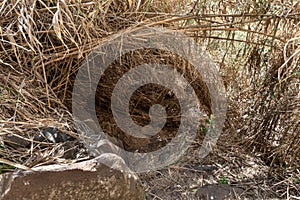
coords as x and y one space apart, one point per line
255 45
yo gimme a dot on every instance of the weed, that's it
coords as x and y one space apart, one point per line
223 180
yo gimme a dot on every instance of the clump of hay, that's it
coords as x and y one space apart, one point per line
255 45
275 130
43 44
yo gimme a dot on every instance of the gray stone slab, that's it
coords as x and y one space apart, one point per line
85 180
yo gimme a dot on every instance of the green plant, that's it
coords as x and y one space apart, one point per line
207 124
296 180
5 167
223 180
203 129
52 3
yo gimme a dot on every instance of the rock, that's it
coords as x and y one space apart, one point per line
219 191
85 180
52 135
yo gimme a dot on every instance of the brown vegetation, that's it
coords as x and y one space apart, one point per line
255 45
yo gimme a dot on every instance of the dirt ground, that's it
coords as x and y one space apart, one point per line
226 173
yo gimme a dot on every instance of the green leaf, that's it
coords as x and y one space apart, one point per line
223 180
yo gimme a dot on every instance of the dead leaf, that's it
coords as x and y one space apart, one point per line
56 25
